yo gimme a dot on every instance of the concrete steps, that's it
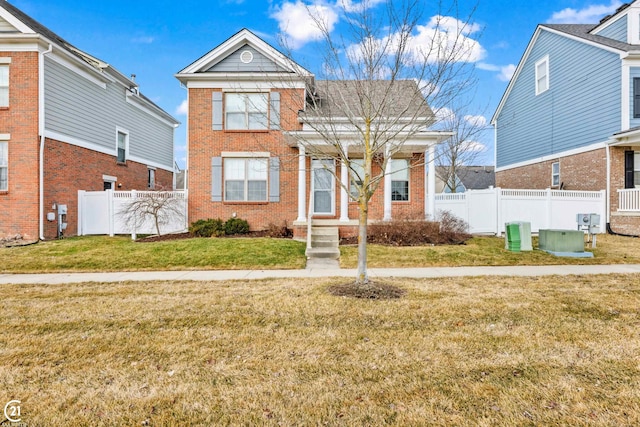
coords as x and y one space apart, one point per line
324 243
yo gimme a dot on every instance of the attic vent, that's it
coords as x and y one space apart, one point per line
246 57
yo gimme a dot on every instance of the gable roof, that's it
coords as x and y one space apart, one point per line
471 177
23 23
399 98
203 65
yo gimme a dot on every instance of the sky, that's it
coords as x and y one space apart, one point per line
154 39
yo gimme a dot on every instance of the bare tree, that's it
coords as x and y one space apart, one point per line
161 207
462 149
382 75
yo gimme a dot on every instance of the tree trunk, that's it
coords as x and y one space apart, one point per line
362 277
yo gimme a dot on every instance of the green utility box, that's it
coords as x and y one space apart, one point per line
524 230
513 237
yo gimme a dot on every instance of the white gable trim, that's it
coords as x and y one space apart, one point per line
15 22
236 42
527 52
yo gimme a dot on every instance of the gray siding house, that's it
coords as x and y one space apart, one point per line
69 122
570 117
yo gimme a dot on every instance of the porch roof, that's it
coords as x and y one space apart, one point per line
626 137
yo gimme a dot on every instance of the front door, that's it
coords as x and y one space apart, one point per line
323 186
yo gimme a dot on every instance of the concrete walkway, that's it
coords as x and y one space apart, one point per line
431 272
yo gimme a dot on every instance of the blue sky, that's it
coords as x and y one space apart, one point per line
156 39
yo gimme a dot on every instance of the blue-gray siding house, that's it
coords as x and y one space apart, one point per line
570 117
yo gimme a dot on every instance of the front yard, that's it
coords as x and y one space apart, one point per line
121 254
460 351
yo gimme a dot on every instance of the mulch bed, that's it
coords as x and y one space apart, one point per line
372 290
186 235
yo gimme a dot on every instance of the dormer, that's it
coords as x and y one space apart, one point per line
623 25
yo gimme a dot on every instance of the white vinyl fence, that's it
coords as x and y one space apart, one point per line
101 212
486 211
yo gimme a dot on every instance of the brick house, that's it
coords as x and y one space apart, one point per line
570 117
254 152
69 122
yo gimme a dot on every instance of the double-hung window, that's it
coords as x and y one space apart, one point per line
121 146
542 75
151 178
399 180
245 180
246 111
555 174
4 85
636 169
4 166
357 176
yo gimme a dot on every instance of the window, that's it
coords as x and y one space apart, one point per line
636 169
4 166
555 174
636 98
246 111
122 145
4 85
151 178
400 180
245 180
357 174
542 75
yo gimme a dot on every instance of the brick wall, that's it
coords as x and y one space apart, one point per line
19 205
625 223
581 172
69 168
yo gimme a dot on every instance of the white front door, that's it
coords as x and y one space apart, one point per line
323 187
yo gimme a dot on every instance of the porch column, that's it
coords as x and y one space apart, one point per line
387 187
344 195
430 201
302 184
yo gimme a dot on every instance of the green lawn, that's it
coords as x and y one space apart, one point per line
121 254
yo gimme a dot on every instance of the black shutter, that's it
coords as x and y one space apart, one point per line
628 169
636 97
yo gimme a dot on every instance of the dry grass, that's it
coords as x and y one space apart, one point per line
489 251
464 352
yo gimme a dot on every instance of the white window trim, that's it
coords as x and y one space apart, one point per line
254 92
544 60
8 85
246 181
120 130
151 185
3 141
408 181
553 175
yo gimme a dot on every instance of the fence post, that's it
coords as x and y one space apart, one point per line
498 199
111 209
80 213
133 199
549 212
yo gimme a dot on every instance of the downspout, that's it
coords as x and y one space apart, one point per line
41 132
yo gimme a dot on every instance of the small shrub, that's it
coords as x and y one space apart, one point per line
279 231
449 230
207 228
453 230
236 226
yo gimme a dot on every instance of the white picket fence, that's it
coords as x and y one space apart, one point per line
486 211
101 212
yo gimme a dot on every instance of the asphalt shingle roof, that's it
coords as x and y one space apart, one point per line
583 31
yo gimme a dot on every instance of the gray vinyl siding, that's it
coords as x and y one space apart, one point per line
581 107
77 107
634 73
233 64
616 31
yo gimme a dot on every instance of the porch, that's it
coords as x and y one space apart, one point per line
629 200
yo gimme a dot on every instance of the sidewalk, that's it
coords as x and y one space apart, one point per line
218 275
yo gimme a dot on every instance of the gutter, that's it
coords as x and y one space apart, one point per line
41 131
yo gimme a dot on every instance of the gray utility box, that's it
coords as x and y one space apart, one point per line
525 235
561 240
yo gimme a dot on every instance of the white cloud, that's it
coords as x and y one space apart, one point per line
505 72
351 6
587 15
476 121
183 108
474 146
444 114
302 23
143 39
